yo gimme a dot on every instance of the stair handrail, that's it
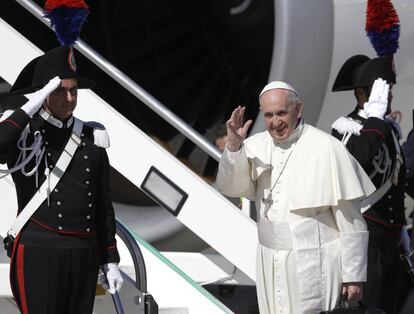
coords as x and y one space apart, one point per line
131 86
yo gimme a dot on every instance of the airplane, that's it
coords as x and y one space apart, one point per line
192 62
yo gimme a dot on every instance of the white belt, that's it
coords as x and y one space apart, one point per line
273 235
285 235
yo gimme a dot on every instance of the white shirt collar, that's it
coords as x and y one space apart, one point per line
56 122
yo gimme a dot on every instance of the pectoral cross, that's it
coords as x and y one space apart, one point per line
268 201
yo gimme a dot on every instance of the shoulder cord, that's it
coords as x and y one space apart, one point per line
27 153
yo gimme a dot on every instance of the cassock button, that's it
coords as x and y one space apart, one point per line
82 134
88 229
90 205
389 196
60 228
87 182
83 144
58 203
51 166
43 131
88 170
46 143
88 217
56 190
392 221
60 215
89 193
85 157
390 209
49 154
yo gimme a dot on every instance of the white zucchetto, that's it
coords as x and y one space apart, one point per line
277 85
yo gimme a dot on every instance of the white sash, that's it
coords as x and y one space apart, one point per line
55 175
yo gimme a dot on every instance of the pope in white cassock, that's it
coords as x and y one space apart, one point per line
307 189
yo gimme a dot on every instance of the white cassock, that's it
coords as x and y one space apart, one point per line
313 237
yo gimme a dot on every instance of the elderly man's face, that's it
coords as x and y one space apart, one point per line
62 102
281 117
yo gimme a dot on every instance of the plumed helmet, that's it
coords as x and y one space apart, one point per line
347 74
59 61
380 67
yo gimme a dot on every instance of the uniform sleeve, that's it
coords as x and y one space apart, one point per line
106 228
233 177
408 149
354 241
11 127
364 146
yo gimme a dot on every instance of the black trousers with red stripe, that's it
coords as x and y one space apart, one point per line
54 277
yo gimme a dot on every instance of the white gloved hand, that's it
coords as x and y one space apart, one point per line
36 99
114 281
378 100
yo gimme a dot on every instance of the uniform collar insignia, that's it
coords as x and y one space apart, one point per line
56 122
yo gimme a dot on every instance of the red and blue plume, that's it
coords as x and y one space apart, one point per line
67 18
382 26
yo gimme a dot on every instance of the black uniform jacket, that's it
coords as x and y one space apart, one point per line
80 205
375 150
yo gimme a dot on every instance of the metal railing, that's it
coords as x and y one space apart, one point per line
131 86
